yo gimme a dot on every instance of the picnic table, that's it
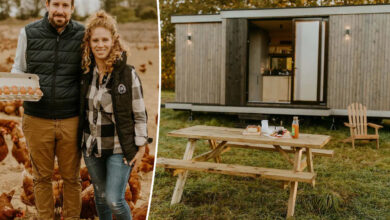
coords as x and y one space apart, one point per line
221 139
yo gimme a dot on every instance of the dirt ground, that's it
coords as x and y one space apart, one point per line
142 41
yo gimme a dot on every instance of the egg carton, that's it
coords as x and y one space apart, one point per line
12 84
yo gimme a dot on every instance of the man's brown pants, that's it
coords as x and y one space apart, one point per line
47 138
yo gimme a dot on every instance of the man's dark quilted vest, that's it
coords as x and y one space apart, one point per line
56 59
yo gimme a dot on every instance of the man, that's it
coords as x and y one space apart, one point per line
51 48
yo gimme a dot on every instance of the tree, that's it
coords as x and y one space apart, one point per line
29 8
4 9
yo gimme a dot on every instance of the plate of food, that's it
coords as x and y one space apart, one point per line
252 130
280 133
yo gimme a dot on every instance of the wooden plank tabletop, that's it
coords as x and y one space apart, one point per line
235 134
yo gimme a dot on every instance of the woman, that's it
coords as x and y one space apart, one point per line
112 130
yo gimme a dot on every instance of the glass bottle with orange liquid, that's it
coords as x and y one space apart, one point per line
295 127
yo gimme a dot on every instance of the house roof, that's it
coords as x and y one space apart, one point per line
283 12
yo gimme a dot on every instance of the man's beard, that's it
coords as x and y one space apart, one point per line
56 24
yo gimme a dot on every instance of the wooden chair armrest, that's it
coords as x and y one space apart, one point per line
349 125
374 125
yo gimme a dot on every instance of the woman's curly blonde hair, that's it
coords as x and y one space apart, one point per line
101 19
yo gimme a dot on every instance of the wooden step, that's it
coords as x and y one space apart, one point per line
287 149
237 170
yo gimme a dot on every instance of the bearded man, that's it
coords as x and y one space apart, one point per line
50 48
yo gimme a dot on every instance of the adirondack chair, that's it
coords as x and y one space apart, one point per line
357 116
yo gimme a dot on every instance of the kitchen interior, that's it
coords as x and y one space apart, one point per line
270 61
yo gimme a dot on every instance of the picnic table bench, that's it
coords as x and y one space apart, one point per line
221 139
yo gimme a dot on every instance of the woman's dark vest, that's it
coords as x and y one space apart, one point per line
56 59
122 105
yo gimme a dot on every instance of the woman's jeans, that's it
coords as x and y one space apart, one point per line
109 177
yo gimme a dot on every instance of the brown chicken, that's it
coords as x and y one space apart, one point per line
147 162
56 173
84 175
142 70
135 186
12 107
7 211
16 133
3 148
58 193
140 213
88 210
85 184
128 197
28 199
20 152
7 125
85 178
28 189
28 167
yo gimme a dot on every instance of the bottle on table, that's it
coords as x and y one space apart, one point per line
295 127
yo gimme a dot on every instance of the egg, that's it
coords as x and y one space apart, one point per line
30 90
23 90
39 92
14 90
6 90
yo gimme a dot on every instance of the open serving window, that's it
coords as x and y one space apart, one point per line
286 61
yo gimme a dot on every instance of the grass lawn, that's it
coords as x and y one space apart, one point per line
354 184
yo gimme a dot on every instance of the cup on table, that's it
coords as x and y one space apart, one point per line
264 124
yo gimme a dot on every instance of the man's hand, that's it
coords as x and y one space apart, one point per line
136 161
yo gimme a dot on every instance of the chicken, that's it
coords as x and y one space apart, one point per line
3 148
88 209
142 69
135 186
128 197
27 196
58 193
28 167
56 173
140 213
21 111
11 107
85 178
7 126
19 108
85 184
28 199
7 211
84 174
16 133
147 162
9 60
20 152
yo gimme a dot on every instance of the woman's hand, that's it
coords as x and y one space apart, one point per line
136 161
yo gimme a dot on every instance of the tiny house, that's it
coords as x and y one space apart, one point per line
293 61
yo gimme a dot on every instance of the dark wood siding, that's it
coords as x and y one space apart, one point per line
236 32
